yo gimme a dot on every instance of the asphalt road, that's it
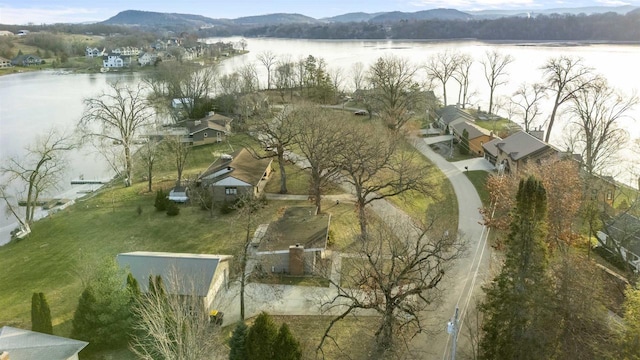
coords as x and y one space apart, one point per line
463 283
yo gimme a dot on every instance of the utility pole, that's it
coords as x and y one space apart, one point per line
452 329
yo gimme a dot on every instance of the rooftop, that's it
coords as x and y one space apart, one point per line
181 273
521 145
27 345
241 165
298 225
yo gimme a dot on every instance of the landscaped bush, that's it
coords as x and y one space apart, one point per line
227 207
161 201
172 208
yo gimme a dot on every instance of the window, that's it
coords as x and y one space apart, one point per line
206 134
231 191
609 194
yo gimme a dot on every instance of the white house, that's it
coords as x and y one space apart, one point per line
202 275
116 61
147 59
19 344
93 52
5 63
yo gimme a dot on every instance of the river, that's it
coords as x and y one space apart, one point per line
33 103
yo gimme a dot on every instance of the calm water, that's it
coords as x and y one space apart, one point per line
32 103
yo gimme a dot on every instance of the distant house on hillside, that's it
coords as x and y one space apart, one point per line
232 176
5 63
147 59
113 60
26 60
19 344
202 275
93 52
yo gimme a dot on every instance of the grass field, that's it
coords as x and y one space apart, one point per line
63 249
479 180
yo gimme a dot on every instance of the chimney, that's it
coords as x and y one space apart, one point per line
296 260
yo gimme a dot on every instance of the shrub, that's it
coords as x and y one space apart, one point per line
228 207
172 209
40 314
161 201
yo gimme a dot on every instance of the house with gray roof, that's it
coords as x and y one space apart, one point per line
621 236
213 128
450 113
516 150
236 174
294 244
20 344
202 275
478 136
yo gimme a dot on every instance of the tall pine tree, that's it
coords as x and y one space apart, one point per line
103 316
515 308
261 337
286 346
237 342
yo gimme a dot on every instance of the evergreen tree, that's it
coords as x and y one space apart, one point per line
103 316
286 346
515 307
161 201
238 341
133 286
40 314
261 337
464 143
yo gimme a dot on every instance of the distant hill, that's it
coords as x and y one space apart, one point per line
351 17
275 19
149 18
440 14
494 14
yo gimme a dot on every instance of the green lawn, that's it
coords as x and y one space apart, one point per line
479 180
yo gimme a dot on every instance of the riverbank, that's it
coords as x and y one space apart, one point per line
77 193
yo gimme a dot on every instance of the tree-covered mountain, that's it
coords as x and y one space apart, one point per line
275 19
150 18
441 14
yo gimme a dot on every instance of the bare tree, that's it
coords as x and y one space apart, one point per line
377 165
171 326
442 66
284 77
461 76
495 65
395 273
248 78
336 79
358 76
149 154
276 135
564 76
117 117
393 89
526 100
319 138
34 174
179 148
597 110
268 59
190 84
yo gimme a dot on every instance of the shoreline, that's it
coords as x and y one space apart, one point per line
78 193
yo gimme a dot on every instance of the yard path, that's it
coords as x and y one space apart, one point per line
460 285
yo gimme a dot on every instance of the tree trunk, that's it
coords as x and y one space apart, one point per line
552 118
385 333
128 165
283 175
150 181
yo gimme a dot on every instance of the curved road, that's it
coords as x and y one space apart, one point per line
468 274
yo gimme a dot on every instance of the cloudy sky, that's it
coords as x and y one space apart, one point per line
67 11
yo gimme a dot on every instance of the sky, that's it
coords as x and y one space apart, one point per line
75 11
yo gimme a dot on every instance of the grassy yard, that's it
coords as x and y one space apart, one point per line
479 180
